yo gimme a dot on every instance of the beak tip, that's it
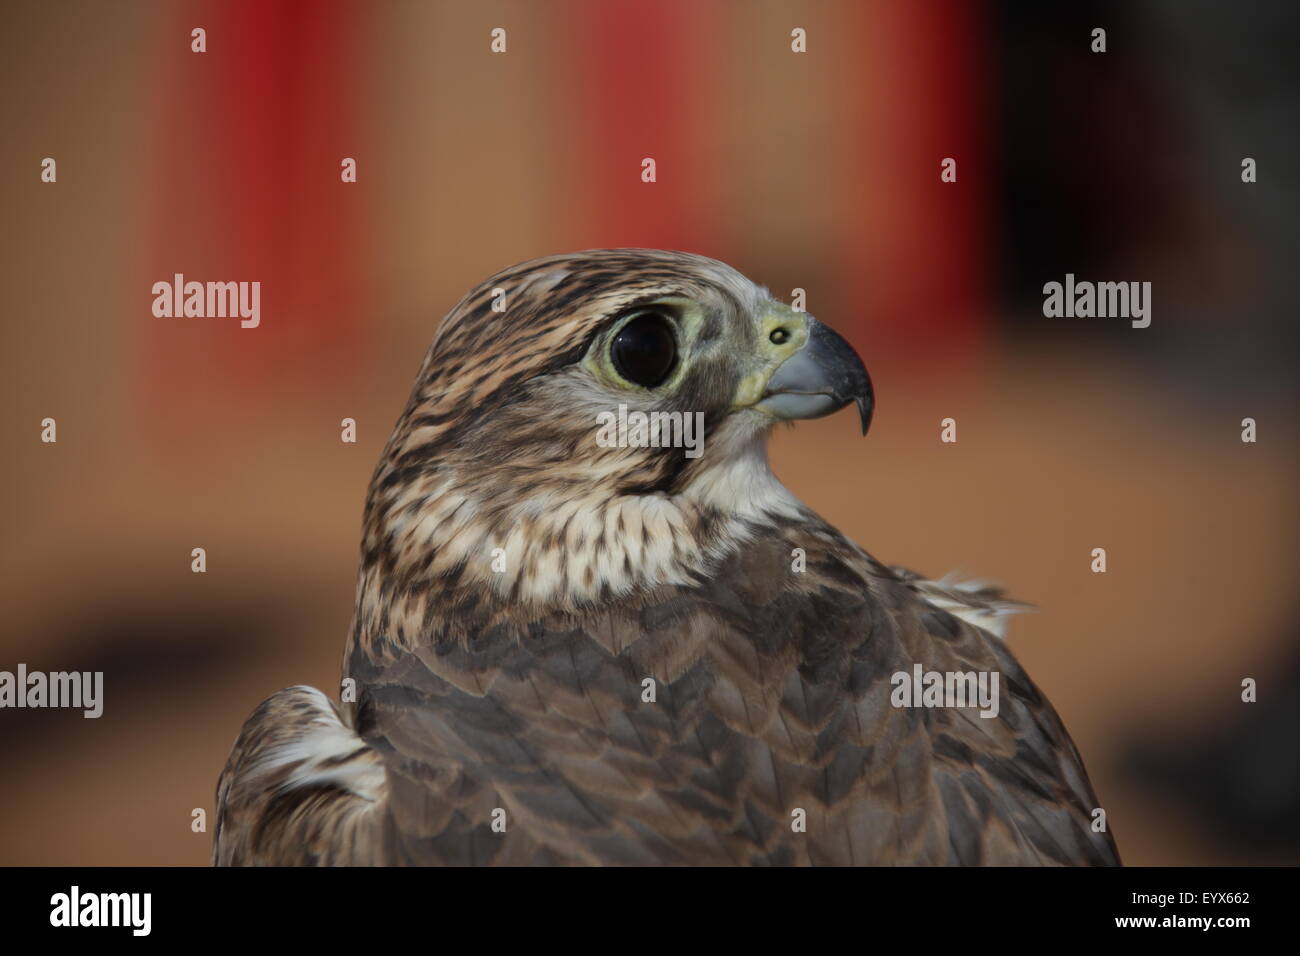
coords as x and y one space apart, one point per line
864 411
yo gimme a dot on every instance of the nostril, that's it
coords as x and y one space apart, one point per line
779 336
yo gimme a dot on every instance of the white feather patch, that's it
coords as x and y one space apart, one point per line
974 601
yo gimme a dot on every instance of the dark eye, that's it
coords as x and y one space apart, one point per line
645 350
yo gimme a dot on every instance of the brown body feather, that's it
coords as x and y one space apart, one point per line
771 697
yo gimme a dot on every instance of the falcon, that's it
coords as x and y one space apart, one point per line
572 651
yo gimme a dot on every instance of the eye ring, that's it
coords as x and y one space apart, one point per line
644 350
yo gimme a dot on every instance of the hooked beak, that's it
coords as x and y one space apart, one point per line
821 378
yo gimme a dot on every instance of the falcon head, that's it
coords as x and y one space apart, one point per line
520 471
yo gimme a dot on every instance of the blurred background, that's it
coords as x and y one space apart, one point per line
816 170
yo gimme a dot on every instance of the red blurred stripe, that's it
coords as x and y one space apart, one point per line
250 137
646 90
917 250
